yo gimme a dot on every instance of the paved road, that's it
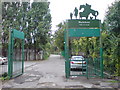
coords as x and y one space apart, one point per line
4 68
50 74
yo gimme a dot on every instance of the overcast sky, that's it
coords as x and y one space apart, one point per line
60 9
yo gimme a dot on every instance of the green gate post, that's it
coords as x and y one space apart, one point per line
86 67
101 62
101 58
9 54
67 62
23 56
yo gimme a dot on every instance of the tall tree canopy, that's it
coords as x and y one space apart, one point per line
111 40
113 17
33 19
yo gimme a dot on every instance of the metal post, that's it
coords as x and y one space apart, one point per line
12 50
101 58
22 55
86 59
9 55
65 54
67 62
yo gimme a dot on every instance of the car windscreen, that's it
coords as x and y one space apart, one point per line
77 58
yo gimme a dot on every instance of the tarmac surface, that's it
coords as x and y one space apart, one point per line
4 68
51 74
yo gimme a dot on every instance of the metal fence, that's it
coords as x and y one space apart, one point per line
91 69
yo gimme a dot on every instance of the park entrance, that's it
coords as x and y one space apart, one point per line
77 28
16 53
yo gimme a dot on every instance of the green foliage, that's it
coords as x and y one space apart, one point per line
34 21
46 55
113 17
5 77
111 53
47 51
59 36
111 39
113 81
5 74
87 45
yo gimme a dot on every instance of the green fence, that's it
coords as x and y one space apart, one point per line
91 69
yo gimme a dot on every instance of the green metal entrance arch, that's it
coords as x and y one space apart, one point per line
84 28
16 53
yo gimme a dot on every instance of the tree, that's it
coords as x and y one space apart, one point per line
10 19
59 36
34 21
111 39
41 25
113 18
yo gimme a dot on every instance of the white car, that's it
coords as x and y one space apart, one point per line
77 62
3 60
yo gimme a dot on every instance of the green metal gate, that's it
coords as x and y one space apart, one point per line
83 28
16 53
93 67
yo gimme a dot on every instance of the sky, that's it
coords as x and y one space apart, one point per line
60 9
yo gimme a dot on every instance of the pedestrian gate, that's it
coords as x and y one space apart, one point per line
83 28
16 53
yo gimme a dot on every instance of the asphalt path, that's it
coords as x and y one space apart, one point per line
4 68
51 74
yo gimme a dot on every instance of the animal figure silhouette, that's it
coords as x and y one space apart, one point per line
87 11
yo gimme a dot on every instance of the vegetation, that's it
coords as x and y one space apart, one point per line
33 19
58 39
59 36
90 45
112 41
4 76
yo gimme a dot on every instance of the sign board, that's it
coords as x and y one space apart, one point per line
78 23
18 34
84 32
